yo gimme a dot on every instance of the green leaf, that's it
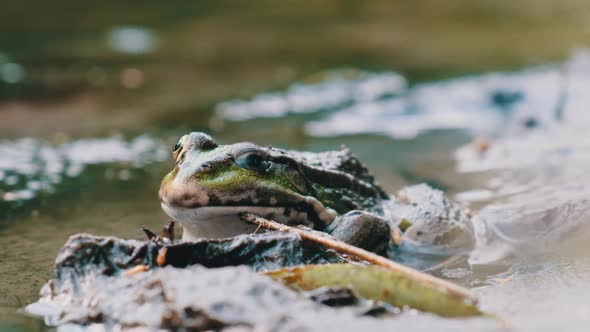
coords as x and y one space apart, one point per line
378 283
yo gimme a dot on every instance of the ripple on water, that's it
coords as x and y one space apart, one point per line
538 195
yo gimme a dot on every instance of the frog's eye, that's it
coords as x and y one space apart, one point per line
177 146
253 161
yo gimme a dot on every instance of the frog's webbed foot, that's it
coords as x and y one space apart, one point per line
361 229
166 236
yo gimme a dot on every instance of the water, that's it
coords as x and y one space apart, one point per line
90 110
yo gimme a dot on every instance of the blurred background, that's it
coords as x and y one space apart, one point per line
82 69
94 96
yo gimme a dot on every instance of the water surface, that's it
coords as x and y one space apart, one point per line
88 116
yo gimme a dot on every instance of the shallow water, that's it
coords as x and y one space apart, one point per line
87 120
527 210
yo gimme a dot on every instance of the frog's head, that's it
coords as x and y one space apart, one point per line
211 182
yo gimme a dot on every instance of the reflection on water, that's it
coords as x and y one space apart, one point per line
486 105
535 219
542 296
539 188
131 39
12 72
335 90
30 167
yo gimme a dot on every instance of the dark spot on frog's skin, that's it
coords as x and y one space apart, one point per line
419 233
312 216
186 199
287 212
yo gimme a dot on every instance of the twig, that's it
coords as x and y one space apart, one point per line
150 235
167 233
168 230
368 256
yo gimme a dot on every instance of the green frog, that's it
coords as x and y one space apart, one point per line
212 184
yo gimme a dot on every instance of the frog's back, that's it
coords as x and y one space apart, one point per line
339 174
341 161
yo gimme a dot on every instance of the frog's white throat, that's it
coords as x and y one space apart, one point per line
224 221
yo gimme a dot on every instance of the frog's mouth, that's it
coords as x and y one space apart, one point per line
199 207
286 214
223 220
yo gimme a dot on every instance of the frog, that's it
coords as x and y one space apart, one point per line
212 184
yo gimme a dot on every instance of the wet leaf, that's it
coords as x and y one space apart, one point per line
378 283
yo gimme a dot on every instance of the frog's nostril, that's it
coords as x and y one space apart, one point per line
206 168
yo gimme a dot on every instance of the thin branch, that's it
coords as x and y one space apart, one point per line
343 248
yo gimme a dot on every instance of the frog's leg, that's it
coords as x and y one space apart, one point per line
361 229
